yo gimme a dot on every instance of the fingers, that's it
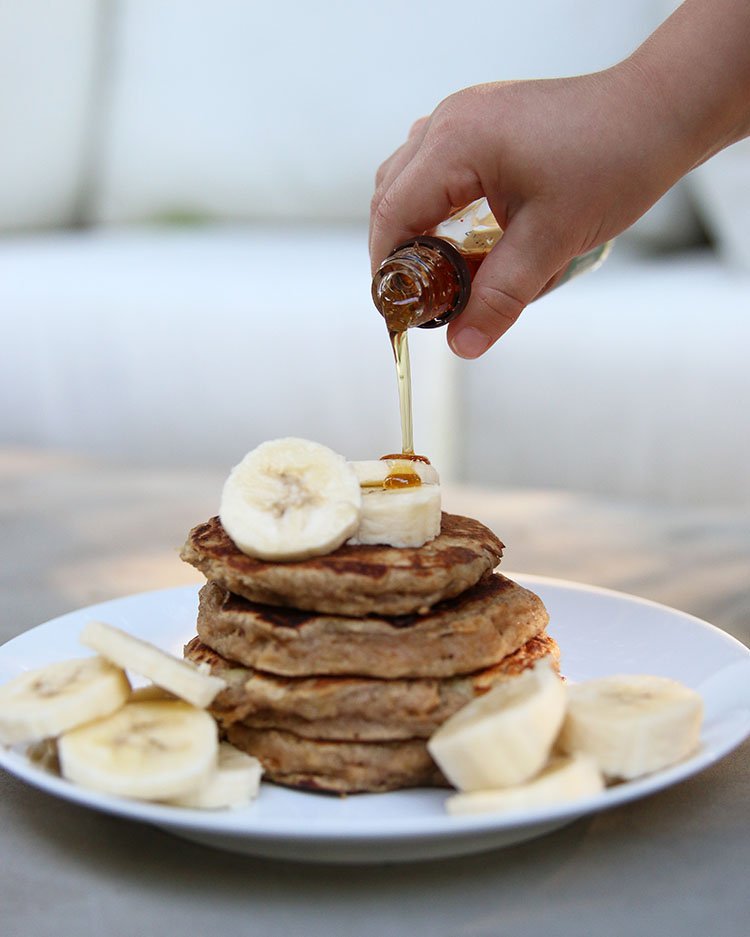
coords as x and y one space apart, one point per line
420 184
418 198
391 168
386 174
514 273
393 165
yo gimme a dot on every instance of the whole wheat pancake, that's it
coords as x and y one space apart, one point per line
473 630
338 767
354 708
353 580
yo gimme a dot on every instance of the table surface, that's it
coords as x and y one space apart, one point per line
77 532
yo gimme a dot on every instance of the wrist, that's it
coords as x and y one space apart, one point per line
696 70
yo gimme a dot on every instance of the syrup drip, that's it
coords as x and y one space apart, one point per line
400 344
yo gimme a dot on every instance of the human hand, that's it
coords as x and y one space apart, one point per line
566 164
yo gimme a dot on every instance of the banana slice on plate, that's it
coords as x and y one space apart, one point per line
234 783
177 676
632 725
562 779
290 499
152 751
504 737
49 700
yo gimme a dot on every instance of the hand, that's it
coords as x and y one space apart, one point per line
566 164
569 163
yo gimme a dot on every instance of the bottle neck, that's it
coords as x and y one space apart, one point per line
424 283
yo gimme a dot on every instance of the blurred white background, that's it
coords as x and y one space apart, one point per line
184 188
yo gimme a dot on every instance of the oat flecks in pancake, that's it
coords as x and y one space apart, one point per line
354 708
353 580
460 635
338 767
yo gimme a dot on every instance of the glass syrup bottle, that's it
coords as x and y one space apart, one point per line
426 281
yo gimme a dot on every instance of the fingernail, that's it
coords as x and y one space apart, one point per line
470 342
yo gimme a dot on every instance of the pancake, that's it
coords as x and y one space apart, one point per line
353 580
338 767
354 708
474 630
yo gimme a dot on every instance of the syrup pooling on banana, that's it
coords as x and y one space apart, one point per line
386 471
402 470
401 501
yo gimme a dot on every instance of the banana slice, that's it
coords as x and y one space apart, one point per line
399 517
235 782
179 677
373 472
562 780
150 751
290 499
47 701
504 737
632 725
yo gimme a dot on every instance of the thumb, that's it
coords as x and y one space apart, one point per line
516 271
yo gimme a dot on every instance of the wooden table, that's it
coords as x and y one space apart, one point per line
77 532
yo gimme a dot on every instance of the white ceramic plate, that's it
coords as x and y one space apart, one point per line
600 632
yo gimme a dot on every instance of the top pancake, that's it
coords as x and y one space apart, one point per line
353 580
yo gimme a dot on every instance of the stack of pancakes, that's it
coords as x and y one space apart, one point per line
340 667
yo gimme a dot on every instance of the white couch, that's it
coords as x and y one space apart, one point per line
184 188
